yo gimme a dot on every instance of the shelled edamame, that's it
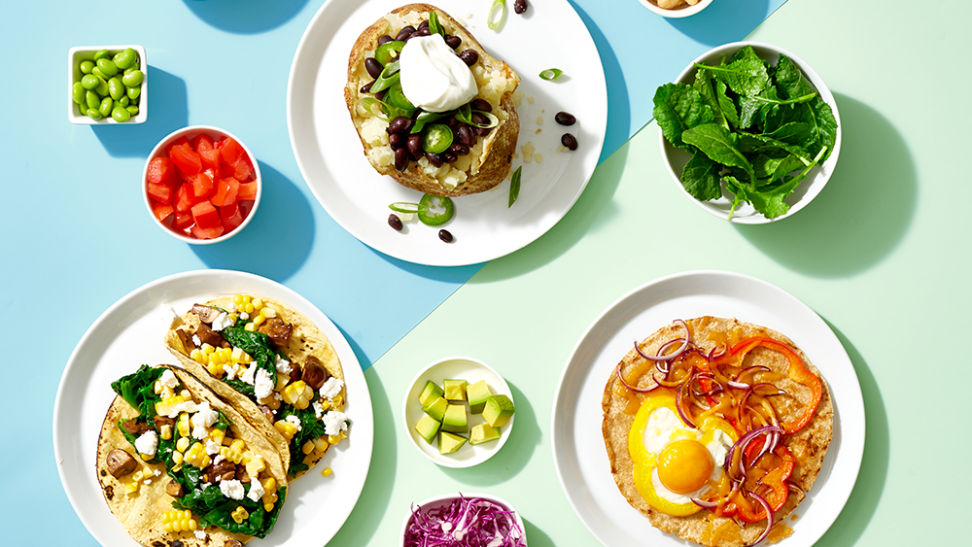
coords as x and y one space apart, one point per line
110 85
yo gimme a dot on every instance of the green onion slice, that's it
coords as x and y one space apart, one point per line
551 73
389 75
495 22
406 207
384 52
396 97
435 210
369 103
434 26
424 118
465 112
515 186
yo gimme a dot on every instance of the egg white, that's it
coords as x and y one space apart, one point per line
664 427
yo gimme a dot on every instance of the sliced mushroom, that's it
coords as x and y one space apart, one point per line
241 473
314 374
209 336
187 344
267 412
120 463
175 489
135 426
163 420
206 314
233 543
278 331
222 471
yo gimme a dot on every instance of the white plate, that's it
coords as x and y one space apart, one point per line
582 464
331 160
456 368
129 334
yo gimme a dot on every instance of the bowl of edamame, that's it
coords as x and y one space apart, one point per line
108 85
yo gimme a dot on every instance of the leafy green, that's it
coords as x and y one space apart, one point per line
240 386
756 128
310 429
256 344
138 390
213 508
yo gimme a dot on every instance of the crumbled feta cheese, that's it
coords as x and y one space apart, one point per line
248 376
196 340
218 459
294 420
263 385
283 366
186 406
244 316
231 307
232 489
256 490
222 321
147 443
331 387
168 379
335 422
231 371
318 408
203 418
200 534
205 485
148 481
212 448
157 472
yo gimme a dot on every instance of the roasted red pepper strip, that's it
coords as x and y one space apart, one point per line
796 372
775 480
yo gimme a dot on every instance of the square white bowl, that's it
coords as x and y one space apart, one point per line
81 53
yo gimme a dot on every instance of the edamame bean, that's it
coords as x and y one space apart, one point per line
107 67
133 79
116 88
124 101
133 110
125 59
89 81
94 114
101 54
119 114
131 69
102 88
92 99
106 106
77 93
86 67
133 92
97 72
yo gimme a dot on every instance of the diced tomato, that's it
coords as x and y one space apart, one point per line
242 169
231 215
202 185
186 159
208 233
184 199
226 191
205 215
160 192
231 152
206 148
178 142
160 169
248 191
183 220
161 211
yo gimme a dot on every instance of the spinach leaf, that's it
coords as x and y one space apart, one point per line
747 74
718 144
703 84
138 390
823 125
310 429
256 344
214 509
700 178
726 105
241 386
790 80
679 107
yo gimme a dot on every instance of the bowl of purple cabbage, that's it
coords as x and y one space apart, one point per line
463 520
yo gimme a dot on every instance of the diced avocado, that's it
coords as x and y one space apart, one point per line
483 433
449 443
477 394
455 390
499 409
427 427
430 393
455 419
437 408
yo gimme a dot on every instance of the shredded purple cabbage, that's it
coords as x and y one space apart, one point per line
466 522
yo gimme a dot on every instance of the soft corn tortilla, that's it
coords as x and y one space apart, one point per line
306 340
140 513
809 445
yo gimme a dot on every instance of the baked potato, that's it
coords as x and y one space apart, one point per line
490 151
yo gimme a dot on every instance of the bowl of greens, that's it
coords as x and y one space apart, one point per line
749 131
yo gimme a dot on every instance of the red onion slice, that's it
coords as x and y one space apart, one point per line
705 504
678 406
769 518
712 356
738 385
685 344
631 387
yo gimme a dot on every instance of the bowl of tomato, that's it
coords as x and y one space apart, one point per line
201 184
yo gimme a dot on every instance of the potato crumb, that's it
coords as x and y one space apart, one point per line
795 516
530 99
538 158
517 97
528 150
539 120
516 155
561 148
537 131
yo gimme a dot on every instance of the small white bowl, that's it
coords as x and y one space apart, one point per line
440 501
456 368
189 133
78 54
684 10
809 188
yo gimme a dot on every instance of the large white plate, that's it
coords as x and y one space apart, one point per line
331 160
130 334
579 455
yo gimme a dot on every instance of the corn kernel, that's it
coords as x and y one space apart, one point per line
258 320
237 355
240 514
197 457
298 394
179 521
248 307
157 387
216 435
271 402
270 486
233 452
216 369
287 429
207 349
336 401
249 327
255 465
165 406
197 355
327 472
146 457
268 312
325 404
268 507
238 299
320 444
282 381
176 457
257 303
333 439
183 425
308 447
238 445
182 444
131 487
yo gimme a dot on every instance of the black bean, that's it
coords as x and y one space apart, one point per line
445 235
422 32
453 41
434 159
449 157
423 24
395 222
401 159
563 118
373 67
458 149
396 141
519 6
477 118
469 57
404 33
380 95
481 131
466 135
480 104
366 88
382 40
399 124
454 123
414 145
569 141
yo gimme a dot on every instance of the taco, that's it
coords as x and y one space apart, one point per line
715 430
276 367
178 464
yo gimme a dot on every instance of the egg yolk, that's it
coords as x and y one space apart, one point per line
684 466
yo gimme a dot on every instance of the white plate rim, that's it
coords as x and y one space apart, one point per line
843 460
582 163
78 487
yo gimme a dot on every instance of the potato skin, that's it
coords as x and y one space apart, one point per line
498 146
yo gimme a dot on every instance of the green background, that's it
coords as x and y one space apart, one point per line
882 255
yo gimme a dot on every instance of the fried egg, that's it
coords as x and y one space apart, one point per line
674 462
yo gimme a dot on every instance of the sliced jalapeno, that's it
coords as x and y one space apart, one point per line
435 210
384 52
437 138
396 97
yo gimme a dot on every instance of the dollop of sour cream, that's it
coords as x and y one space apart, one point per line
433 77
